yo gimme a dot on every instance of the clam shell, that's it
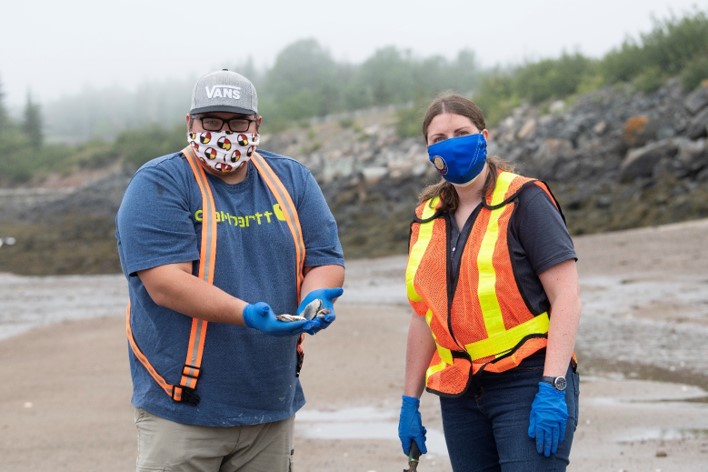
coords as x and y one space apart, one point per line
312 310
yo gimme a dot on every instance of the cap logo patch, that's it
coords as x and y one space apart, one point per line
223 91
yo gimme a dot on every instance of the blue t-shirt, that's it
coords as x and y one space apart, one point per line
247 377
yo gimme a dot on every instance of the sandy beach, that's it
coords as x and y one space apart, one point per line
65 393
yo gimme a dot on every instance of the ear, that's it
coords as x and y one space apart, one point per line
485 133
188 119
259 120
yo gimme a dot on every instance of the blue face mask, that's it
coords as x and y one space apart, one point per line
461 159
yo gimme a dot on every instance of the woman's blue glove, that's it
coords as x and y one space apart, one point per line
327 295
260 316
410 426
549 415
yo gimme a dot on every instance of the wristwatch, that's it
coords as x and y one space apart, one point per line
558 383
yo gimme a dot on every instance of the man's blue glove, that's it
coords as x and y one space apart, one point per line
327 295
549 415
410 426
260 316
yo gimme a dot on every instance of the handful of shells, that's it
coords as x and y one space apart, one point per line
312 310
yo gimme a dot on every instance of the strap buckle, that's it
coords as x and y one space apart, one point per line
187 395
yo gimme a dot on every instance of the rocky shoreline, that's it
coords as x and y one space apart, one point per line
615 159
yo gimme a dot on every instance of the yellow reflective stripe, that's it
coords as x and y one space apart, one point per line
444 353
434 369
507 340
425 234
290 212
486 287
504 181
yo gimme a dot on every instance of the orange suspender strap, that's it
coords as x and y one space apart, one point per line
291 217
289 212
207 260
184 392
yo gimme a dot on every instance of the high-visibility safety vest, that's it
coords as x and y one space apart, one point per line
185 390
481 321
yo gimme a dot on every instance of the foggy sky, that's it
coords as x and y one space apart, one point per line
49 48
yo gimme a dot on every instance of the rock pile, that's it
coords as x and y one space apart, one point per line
615 158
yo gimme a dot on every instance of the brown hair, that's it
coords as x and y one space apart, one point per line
459 105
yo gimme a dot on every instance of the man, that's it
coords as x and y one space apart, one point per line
216 240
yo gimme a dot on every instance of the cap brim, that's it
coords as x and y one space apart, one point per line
223 109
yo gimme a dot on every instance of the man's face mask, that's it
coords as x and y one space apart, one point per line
223 151
461 159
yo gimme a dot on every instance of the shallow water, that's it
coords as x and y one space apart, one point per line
646 326
372 423
361 423
29 302
666 434
658 327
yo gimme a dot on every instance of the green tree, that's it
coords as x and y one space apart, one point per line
302 83
135 147
32 124
675 42
4 115
497 95
552 78
670 48
16 159
387 77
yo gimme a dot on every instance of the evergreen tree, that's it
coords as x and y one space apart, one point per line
4 115
32 125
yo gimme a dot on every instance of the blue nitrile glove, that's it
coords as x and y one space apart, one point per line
549 415
410 426
327 295
260 316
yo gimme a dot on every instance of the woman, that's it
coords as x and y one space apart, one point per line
492 278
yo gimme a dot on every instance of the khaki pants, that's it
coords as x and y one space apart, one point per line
164 445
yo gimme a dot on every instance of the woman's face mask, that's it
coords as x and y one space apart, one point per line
461 159
223 151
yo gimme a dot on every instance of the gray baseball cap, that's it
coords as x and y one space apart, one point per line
225 91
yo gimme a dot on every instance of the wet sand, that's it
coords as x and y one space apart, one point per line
65 395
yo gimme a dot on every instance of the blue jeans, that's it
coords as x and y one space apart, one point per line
486 429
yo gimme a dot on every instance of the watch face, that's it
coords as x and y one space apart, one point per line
560 383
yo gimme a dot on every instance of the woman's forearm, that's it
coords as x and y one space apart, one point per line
419 350
562 287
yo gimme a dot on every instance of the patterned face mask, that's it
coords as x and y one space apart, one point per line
223 151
